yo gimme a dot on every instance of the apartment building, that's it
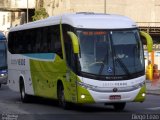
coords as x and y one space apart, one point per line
14 12
5 23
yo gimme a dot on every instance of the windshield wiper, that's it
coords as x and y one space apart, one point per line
102 66
123 66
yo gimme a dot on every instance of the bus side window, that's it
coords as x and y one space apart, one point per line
51 39
38 40
43 43
11 42
56 42
32 43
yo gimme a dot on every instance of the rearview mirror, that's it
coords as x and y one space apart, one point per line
75 43
149 40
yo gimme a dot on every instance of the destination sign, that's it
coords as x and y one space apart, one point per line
94 33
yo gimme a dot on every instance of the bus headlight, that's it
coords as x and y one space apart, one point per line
2 75
143 94
87 86
139 85
83 96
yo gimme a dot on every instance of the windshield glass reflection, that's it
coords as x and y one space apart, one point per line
3 55
110 52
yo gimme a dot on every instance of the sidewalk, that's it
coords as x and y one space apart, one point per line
153 88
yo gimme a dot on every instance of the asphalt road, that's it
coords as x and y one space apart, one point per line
12 108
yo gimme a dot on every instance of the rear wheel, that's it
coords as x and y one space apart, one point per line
119 106
24 96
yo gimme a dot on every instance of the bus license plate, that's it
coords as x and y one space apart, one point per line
115 97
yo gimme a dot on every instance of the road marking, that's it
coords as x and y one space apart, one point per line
154 108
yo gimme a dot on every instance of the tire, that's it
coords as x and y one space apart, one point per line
0 85
61 98
119 106
24 96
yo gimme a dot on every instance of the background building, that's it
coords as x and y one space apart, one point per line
14 12
5 21
144 12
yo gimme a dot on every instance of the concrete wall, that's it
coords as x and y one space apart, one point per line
138 10
5 3
22 4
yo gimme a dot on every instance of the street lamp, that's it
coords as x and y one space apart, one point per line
105 6
27 11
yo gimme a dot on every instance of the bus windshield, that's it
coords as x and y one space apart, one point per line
3 55
110 52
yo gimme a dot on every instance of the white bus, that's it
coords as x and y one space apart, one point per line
79 58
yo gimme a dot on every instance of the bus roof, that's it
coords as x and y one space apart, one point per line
83 20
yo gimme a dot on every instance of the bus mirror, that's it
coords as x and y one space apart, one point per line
74 42
148 39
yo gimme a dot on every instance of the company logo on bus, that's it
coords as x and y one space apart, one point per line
18 61
115 89
116 84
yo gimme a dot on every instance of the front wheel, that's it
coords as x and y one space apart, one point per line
119 106
61 98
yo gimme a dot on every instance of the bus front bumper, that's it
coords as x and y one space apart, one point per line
90 96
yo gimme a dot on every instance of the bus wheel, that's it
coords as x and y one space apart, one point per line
61 98
119 106
24 96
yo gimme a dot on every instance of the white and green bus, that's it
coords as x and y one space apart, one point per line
79 58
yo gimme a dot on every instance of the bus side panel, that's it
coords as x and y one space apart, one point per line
12 72
18 67
40 75
45 73
70 86
12 80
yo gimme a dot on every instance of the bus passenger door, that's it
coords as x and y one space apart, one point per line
71 94
71 91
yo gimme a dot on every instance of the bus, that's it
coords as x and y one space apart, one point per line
79 58
3 59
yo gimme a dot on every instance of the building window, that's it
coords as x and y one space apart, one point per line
3 19
13 16
8 19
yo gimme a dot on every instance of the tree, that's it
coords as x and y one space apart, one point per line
40 14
